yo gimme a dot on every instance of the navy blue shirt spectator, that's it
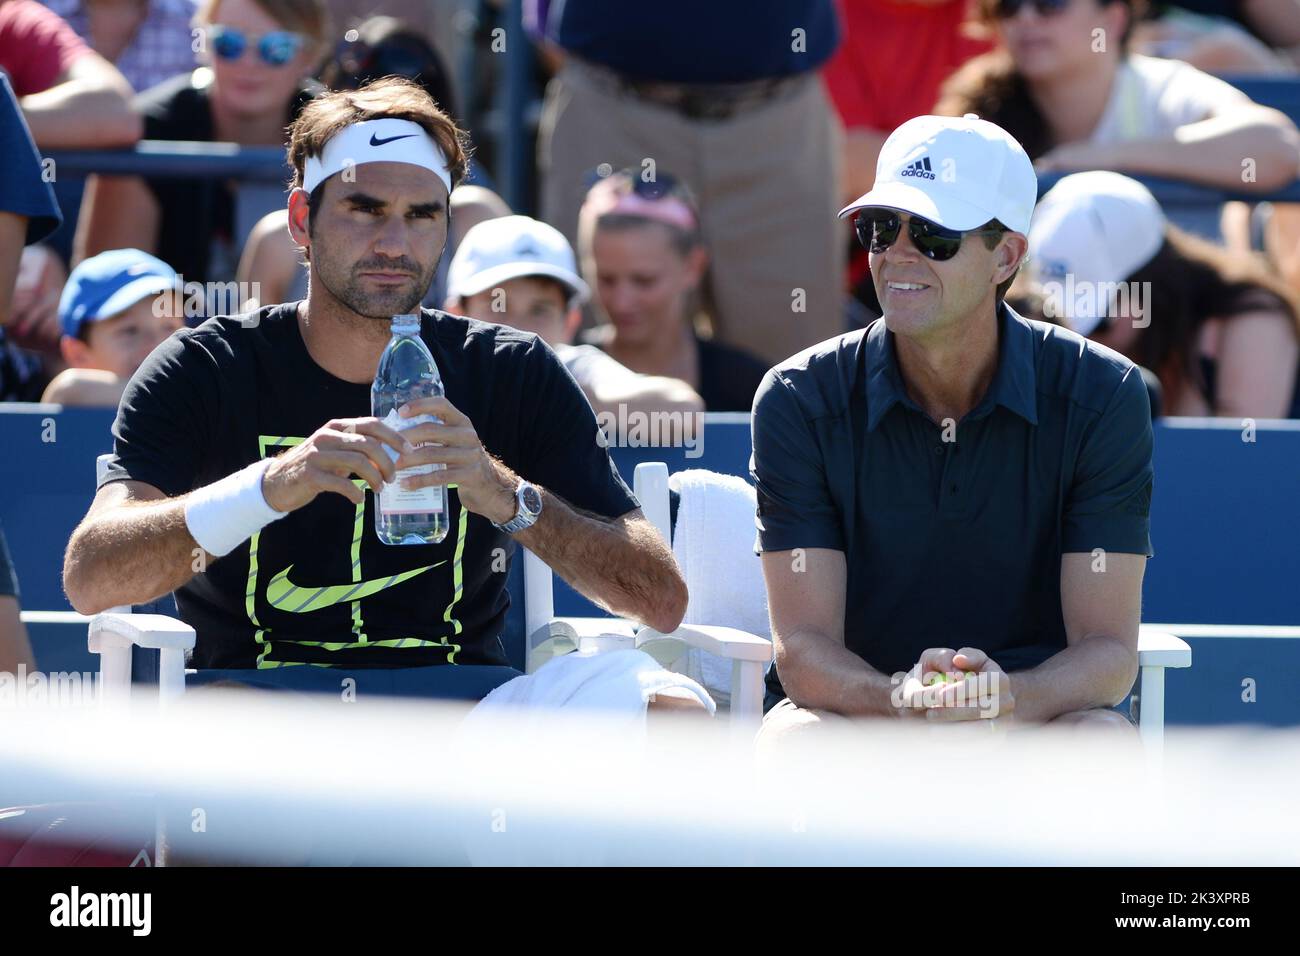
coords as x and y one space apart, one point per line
954 542
685 41
23 190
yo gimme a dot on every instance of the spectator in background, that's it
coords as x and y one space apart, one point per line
1212 36
1220 331
385 46
28 213
727 95
71 96
149 41
519 272
1064 83
643 253
260 53
116 308
1228 36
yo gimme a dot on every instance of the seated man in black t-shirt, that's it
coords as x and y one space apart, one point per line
244 448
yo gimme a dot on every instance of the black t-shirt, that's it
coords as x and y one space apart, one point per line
320 587
729 377
199 212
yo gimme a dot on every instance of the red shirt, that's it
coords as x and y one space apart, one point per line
36 46
894 57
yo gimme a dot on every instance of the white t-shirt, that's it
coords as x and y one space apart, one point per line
1153 97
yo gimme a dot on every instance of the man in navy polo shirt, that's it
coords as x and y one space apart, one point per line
954 488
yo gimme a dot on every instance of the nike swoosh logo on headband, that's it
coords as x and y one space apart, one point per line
376 141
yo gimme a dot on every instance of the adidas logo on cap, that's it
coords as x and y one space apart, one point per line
920 169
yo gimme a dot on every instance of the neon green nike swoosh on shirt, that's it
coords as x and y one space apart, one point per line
284 595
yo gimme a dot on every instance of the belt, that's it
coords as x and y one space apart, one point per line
699 101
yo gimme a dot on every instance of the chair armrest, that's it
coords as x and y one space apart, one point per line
1162 649
111 636
143 630
724 641
561 635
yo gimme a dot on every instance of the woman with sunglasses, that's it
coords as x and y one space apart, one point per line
259 54
1218 328
643 255
1064 82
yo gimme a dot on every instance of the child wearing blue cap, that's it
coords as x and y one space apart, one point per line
115 309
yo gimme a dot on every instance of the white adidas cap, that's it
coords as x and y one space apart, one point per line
1091 228
959 173
510 247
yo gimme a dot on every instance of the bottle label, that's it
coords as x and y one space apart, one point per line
393 499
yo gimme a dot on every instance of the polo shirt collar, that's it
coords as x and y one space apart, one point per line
1014 385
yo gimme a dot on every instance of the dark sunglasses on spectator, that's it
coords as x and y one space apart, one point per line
275 48
1006 9
879 230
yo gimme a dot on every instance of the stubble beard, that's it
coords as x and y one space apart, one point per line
369 307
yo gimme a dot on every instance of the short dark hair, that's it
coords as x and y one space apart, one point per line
324 117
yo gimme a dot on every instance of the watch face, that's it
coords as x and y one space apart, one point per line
531 499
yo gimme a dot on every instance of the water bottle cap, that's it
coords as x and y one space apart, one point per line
406 323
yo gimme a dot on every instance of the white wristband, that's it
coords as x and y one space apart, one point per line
223 515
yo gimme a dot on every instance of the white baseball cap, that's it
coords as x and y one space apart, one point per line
1091 228
510 247
958 173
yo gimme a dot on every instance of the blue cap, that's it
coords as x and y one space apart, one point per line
109 283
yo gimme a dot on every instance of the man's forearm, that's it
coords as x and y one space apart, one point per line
1215 152
626 569
818 673
80 114
1096 672
132 554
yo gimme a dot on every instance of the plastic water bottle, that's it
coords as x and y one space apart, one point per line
407 372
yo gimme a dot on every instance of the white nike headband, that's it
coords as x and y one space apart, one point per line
376 141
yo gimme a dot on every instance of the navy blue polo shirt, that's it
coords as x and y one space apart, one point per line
953 543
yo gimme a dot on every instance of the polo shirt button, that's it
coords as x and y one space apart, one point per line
938 449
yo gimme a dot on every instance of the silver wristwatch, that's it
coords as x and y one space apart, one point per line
529 509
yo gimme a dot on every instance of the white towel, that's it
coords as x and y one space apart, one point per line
714 546
619 684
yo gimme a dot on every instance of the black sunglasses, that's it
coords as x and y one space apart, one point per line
879 230
1006 9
